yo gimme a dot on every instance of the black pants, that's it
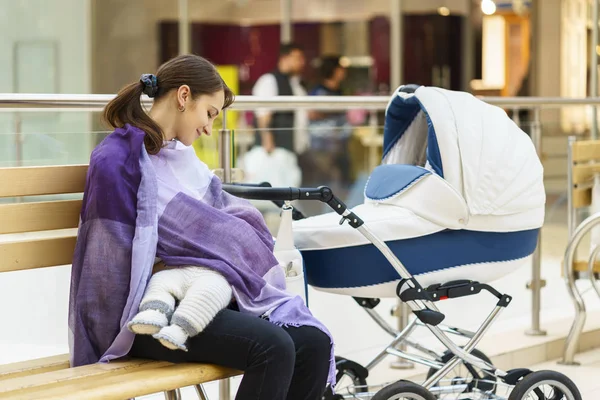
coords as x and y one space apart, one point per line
278 363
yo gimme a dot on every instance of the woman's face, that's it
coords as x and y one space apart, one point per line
198 117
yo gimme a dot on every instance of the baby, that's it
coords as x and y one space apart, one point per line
180 302
200 293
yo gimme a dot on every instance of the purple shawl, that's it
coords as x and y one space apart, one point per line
123 227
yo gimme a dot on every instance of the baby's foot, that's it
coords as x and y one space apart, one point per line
148 322
172 337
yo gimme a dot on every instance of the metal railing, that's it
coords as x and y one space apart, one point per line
576 233
95 103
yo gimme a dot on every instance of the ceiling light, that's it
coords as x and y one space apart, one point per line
444 11
488 7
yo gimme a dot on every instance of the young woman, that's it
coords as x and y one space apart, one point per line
148 197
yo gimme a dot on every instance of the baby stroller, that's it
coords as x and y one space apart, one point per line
457 202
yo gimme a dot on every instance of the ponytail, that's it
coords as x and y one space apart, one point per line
198 73
127 108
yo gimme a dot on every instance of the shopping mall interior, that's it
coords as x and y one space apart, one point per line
505 93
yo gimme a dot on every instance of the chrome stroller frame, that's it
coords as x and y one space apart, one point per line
403 337
420 300
422 305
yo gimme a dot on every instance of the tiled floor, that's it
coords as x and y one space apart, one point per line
42 296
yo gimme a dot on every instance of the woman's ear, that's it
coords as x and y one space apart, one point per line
183 94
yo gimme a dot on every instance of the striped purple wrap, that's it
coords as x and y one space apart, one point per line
123 229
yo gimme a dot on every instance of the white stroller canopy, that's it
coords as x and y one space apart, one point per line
474 146
474 211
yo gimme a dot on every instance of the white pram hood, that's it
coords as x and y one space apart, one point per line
476 148
460 195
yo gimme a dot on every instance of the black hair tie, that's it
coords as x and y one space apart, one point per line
150 84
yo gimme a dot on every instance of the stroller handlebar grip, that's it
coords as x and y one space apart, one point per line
263 191
255 192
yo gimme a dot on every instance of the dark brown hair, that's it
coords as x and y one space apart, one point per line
328 66
198 73
287 48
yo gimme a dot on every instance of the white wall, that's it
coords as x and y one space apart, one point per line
35 302
44 48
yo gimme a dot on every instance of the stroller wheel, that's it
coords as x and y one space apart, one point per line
467 373
351 378
404 390
545 385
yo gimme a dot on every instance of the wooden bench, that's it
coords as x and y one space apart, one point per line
52 377
584 163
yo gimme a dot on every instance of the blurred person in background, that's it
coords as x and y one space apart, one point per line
283 129
281 136
330 131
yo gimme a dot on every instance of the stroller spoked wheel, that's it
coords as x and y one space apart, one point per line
465 373
404 390
350 376
545 385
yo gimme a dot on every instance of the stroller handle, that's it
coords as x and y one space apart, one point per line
324 194
263 192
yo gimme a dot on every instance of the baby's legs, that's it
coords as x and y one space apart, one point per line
207 294
158 302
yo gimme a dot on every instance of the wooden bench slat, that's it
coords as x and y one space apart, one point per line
586 150
579 266
582 197
71 374
41 216
40 253
34 181
154 377
582 266
37 366
585 172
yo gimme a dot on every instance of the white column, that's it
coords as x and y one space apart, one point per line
546 65
396 37
184 27
467 48
534 18
286 21
594 66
